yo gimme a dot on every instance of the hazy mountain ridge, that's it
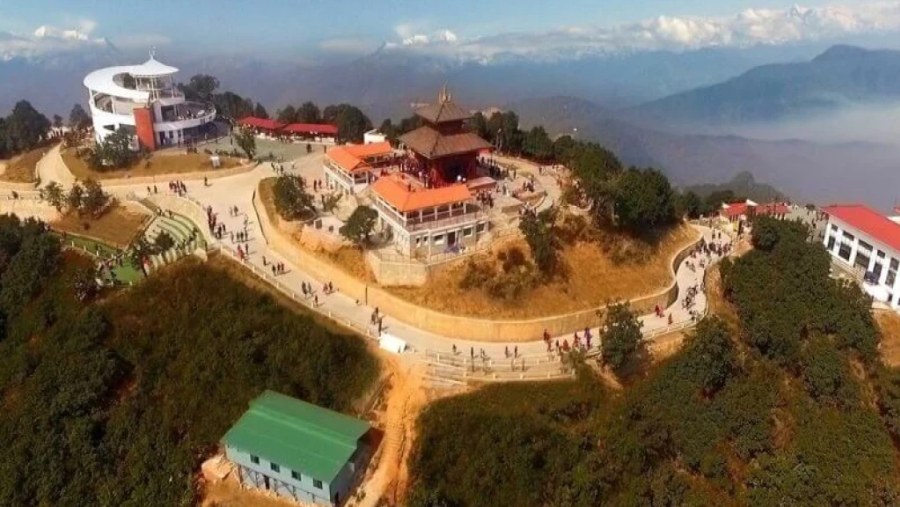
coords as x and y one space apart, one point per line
804 170
841 76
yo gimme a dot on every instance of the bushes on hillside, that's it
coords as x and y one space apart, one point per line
109 404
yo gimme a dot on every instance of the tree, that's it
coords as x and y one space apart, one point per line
710 354
113 152
94 201
360 225
54 195
201 87
644 199
57 121
287 115
163 241
621 336
259 111
691 205
84 284
308 112
537 145
538 229
246 141
75 198
139 251
478 126
78 118
351 122
25 128
232 106
292 201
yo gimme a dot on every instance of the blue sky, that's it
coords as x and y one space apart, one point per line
312 27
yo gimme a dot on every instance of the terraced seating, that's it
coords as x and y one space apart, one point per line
183 233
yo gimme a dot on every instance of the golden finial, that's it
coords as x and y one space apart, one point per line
444 96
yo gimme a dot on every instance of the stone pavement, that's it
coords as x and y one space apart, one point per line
224 193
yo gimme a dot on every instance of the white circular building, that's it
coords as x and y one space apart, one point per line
144 100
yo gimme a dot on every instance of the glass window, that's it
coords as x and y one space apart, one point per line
439 239
849 237
317 483
254 459
295 475
830 246
467 231
844 252
275 467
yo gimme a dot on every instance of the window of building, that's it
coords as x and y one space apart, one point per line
275 467
254 459
467 232
317 483
848 237
865 246
862 260
295 475
880 254
439 239
479 228
830 246
834 228
844 252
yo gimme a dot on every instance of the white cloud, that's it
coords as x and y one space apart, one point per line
50 39
750 27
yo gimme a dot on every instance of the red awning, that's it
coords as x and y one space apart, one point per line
260 123
311 128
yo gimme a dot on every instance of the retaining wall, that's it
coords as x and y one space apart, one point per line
444 324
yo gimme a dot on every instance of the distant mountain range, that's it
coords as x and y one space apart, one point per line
806 171
841 76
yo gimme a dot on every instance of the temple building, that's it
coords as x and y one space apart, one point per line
444 150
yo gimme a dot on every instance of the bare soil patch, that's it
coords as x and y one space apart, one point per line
153 165
595 277
119 226
889 324
23 168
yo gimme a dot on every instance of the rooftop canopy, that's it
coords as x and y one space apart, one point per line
408 197
310 128
300 436
868 221
102 80
260 123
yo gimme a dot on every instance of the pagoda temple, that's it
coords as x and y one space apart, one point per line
445 150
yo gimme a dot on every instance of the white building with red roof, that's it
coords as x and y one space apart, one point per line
867 242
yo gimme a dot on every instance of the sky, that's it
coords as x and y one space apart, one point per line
471 28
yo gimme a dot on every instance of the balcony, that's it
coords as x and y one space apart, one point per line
431 220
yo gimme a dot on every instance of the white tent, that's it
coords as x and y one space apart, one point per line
391 343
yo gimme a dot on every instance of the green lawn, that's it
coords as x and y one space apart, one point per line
126 273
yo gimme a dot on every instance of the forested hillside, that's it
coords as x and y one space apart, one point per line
788 406
117 401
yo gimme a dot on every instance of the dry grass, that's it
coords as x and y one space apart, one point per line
718 305
267 196
23 168
889 324
157 164
118 226
594 278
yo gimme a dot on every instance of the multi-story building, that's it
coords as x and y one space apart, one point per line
865 241
143 100
297 450
351 167
425 221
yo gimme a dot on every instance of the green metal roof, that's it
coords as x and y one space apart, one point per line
298 435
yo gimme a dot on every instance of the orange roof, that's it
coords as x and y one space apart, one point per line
399 195
352 157
370 150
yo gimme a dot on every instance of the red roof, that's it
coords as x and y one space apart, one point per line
311 128
406 197
735 209
869 222
260 123
773 209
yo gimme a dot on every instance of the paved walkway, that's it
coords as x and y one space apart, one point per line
224 193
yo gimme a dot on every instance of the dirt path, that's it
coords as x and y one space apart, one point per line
405 398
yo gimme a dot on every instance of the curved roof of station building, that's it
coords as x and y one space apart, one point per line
103 81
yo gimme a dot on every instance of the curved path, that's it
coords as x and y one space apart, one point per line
224 193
